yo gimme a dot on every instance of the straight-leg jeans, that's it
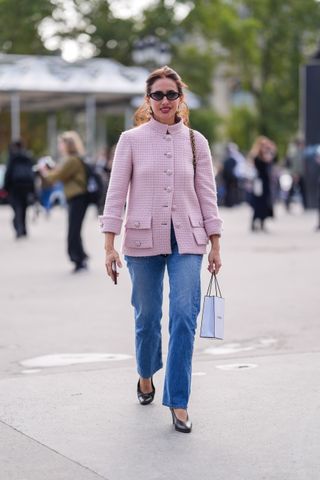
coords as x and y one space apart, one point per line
184 305
77 207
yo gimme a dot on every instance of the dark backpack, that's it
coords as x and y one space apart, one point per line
94 183
22 174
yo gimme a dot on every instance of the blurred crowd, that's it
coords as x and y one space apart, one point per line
259 179
262 179
72 182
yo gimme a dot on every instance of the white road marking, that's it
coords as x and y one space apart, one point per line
236 366
65 359
246 346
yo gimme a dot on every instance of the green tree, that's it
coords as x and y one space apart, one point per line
19 22
264 43
196 68
241 127
205 121
113 37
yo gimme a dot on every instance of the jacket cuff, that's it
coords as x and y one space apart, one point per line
110 224
213 226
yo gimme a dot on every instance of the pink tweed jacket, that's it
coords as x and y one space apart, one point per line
154 163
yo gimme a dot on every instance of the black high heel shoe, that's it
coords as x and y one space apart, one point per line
145 398
180 425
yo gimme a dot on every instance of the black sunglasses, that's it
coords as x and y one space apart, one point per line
170 95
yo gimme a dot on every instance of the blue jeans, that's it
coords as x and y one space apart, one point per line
147 294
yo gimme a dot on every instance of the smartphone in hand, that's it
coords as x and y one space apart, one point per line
114 271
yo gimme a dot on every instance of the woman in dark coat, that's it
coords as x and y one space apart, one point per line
19 183
262 154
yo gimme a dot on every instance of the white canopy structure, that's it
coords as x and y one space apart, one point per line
48 83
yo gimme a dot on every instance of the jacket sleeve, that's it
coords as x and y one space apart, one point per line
205 186
112 218
63 172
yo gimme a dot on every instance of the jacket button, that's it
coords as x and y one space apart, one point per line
137 224
168 138
169 172
174 207
138 243
169 155
169 189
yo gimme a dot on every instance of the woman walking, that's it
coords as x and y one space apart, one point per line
262 155
72 173
171 215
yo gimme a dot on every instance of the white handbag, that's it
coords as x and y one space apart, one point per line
212 322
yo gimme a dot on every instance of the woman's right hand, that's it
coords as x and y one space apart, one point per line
112 256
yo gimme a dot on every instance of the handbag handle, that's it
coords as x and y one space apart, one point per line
193 146
216 285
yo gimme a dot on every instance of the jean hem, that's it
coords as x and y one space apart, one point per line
184 407
151 374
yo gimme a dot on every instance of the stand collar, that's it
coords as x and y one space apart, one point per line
163 128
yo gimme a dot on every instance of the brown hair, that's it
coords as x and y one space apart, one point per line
73 143
260 142
143 113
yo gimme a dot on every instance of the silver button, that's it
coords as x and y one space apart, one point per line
169 155
169 172
169 189
138 243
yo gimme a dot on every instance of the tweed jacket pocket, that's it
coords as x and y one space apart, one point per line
138 233
198 229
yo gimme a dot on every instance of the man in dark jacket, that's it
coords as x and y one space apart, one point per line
19 183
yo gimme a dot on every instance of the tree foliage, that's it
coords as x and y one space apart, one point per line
264 42
19 22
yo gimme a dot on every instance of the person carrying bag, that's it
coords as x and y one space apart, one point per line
171 215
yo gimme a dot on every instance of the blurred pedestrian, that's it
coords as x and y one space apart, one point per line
19 183
171 215
296 164
262 154
232 173
72 173
104 164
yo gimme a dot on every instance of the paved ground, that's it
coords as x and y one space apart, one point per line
256 397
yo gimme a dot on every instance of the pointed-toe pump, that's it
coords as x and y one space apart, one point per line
180 425
145 398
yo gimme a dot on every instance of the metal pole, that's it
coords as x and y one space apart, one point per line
52 135
101 132
15 116
128 120
90 125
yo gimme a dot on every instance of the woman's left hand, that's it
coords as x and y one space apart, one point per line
214 260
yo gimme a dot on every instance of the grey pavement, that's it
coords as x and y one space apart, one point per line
255 402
